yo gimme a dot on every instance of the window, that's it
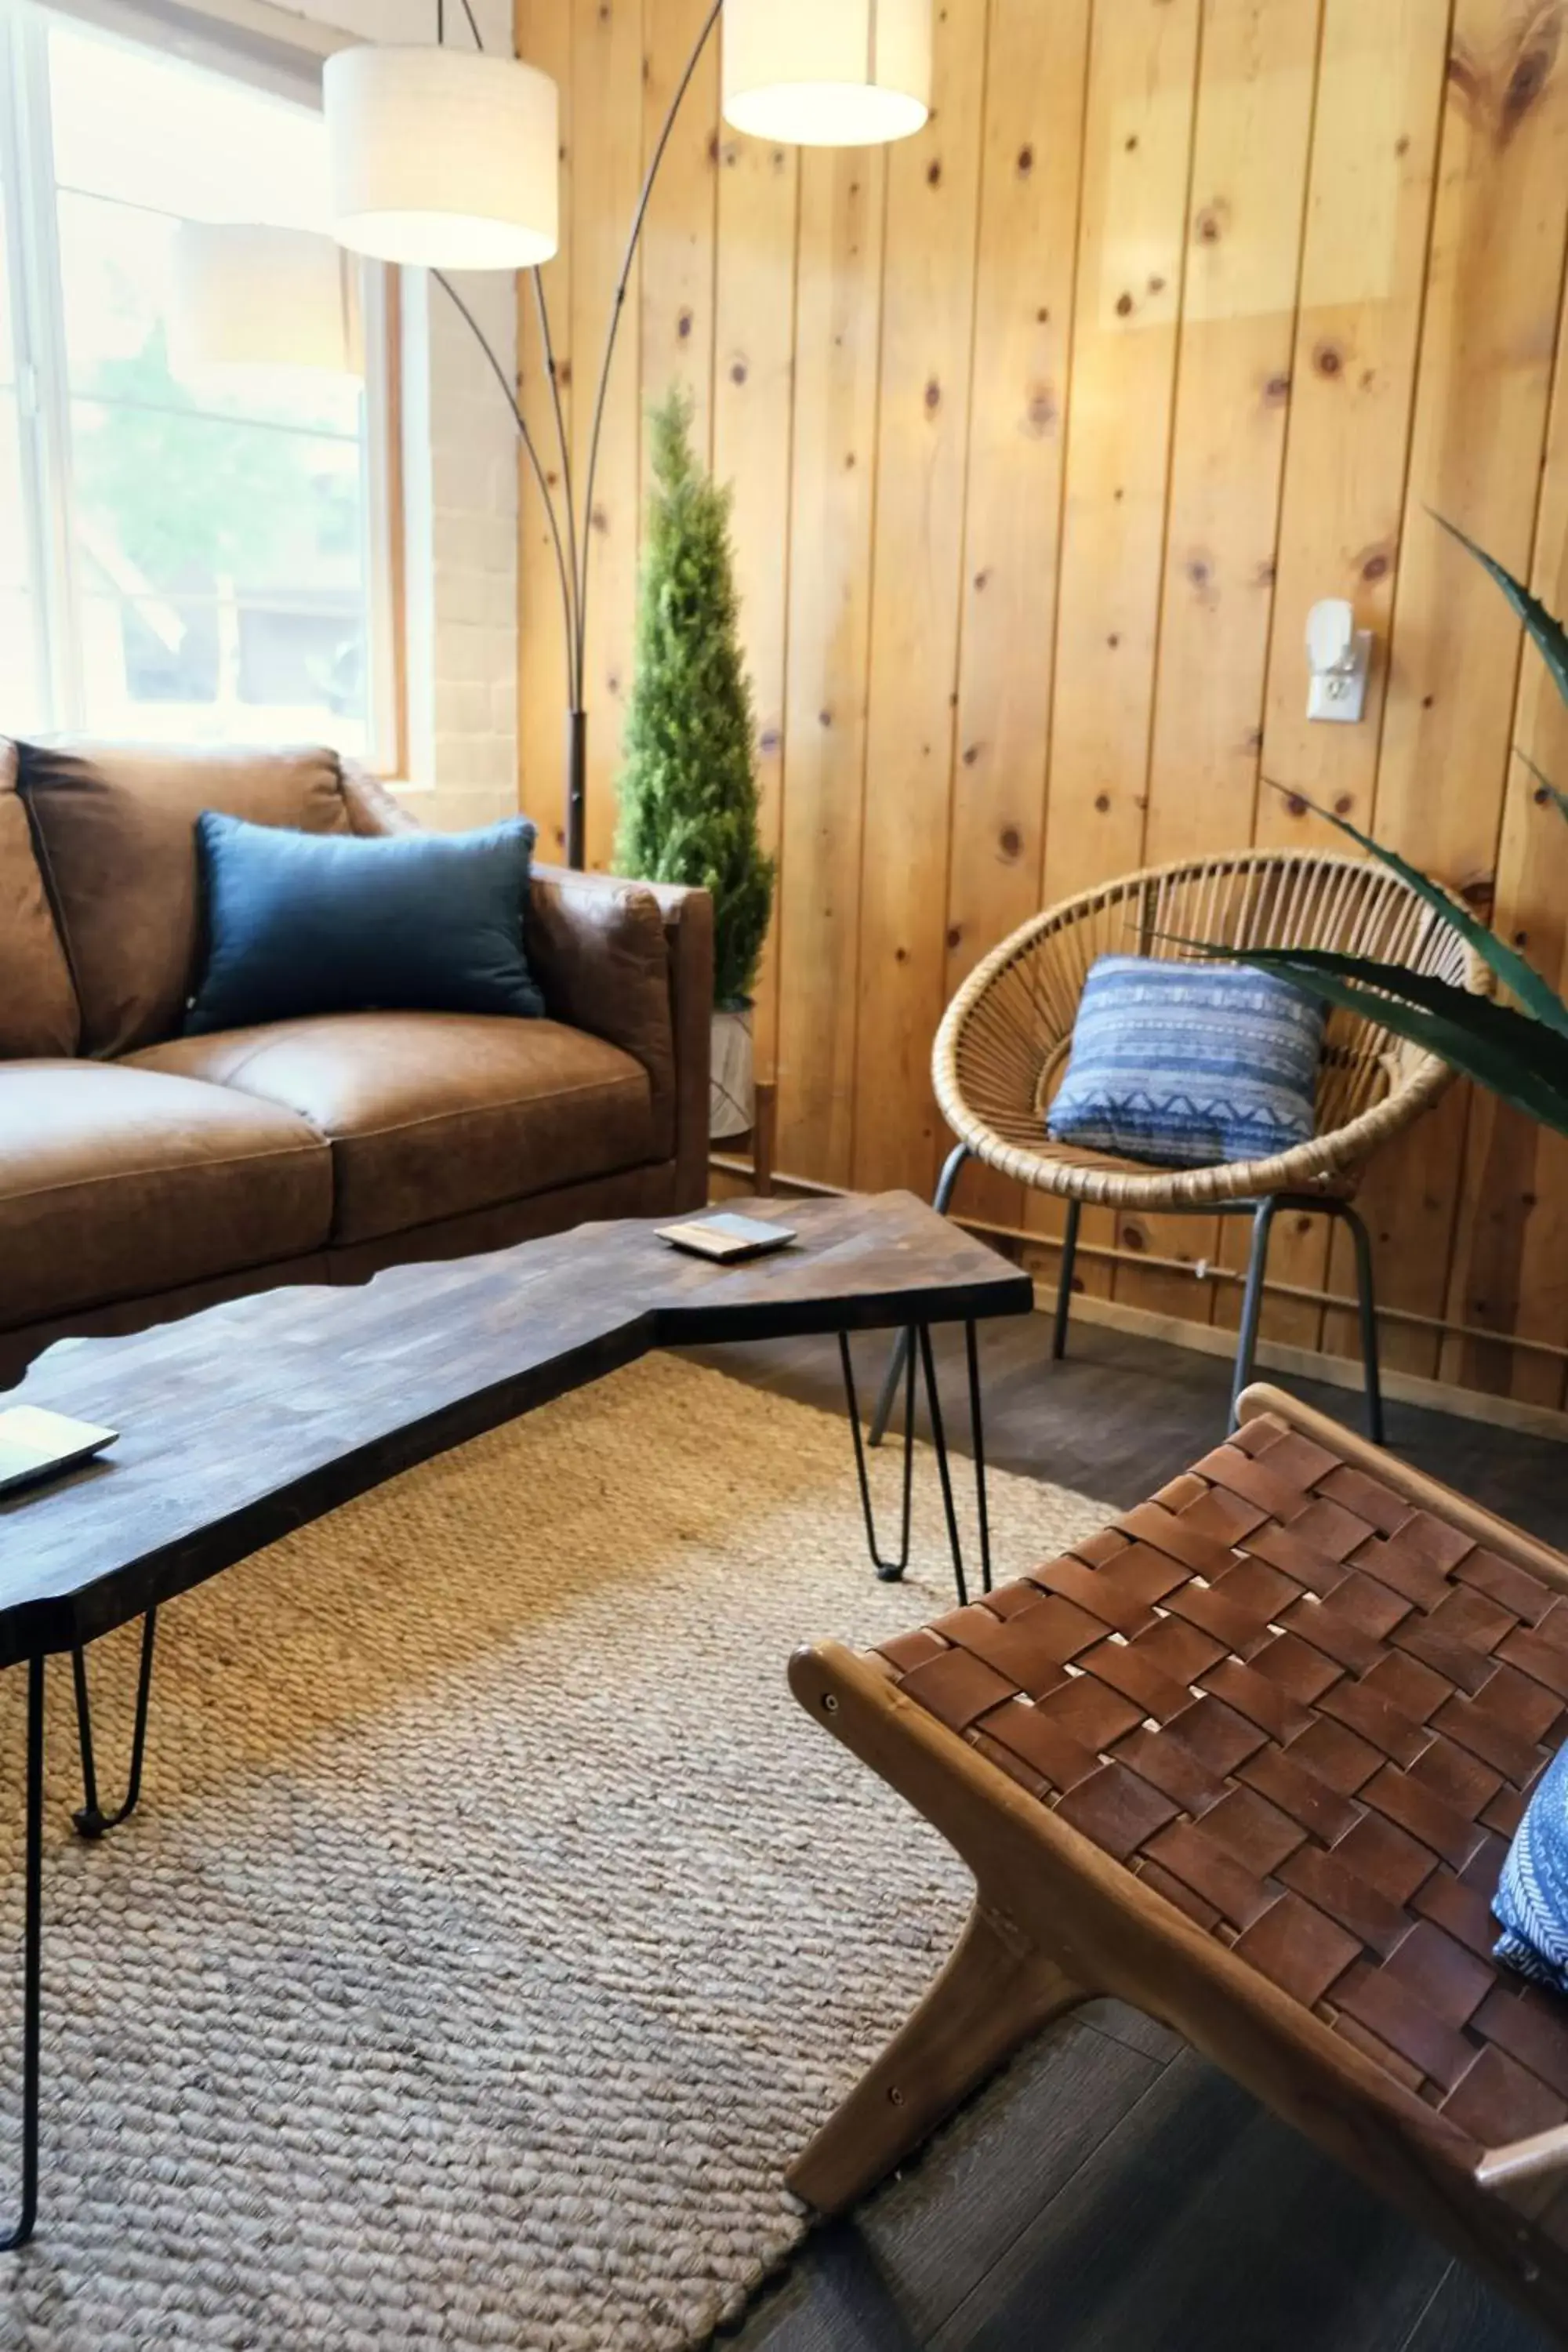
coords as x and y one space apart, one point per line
188 551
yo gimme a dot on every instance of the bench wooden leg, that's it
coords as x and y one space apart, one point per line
992 1997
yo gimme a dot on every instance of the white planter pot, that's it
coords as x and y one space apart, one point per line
732 1084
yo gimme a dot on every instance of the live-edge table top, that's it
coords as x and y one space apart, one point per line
249 1420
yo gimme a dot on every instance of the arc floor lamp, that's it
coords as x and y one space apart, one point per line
449 159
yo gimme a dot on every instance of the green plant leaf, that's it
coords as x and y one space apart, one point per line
1559 800
1510 967
1548 632
1512 1034
1490 1043
688 806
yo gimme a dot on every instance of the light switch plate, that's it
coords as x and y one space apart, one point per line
1338 696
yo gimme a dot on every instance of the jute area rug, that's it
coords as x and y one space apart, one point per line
495 1927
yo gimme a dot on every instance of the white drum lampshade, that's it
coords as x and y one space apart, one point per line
263 297
443 159
828 73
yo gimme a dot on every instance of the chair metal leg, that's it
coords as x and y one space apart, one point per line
32 1962
92 1822
1064 1281
941 1201
977 1441
1252 1302
1366 1301
898 1363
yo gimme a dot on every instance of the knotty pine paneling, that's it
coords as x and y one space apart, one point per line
1045 431
928 342
1257 89
1026 273
833 491
544 34
1358 327
607 116
759 198
1137 171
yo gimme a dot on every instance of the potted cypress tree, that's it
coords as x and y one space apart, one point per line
688 788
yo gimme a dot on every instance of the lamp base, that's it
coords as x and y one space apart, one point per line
576 788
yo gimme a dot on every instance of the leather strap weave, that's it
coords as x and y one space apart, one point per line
1306 1714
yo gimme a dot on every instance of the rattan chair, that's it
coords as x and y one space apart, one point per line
1002 1048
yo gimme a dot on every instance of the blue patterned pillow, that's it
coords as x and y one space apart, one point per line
1532 1901
1189 1064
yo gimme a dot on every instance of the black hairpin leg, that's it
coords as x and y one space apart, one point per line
938 1440
92 1822
32 1961
941 1201
977 1441
891 1570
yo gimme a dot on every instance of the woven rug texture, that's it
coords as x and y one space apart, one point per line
495 1927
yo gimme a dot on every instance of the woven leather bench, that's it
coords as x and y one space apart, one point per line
1249 1760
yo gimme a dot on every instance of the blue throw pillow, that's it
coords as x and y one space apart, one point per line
1189 1065
1532 1901
298 923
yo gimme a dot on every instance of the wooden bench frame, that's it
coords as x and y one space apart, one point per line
1057 1921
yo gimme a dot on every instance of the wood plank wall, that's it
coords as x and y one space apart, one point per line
1046 430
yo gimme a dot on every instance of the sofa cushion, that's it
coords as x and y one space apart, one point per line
120 1183
1189 1065
38 1011
300 923
434 1115
117 834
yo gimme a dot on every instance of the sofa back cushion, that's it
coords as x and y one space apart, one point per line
38 1014
116 833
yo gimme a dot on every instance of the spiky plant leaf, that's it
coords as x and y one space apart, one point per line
1510 1033
1508 965
1548 632
1503 1049
1559 800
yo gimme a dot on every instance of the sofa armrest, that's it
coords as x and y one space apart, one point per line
628 962
372 808
582 928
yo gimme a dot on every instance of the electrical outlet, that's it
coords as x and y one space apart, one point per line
1338 695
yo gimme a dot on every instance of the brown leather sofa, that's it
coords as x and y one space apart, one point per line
144 1174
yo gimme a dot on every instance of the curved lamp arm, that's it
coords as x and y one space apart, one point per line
498 372
573 544
638 219
562 441
441 24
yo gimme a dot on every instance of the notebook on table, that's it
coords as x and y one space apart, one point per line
727 1238
36 1445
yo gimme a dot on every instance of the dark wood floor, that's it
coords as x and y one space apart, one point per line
1112 2192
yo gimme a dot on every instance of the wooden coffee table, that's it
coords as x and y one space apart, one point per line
250 1419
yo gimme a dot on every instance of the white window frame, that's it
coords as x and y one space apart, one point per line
39 340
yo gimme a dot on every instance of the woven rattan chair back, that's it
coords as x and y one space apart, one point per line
1003 1047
